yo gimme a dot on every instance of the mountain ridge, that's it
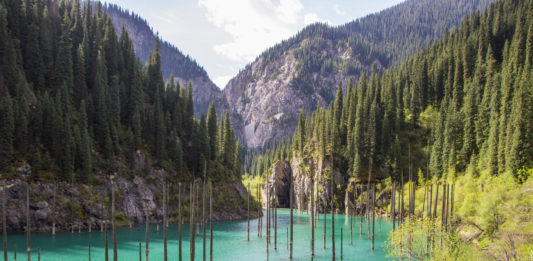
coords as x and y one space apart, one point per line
305 68
183 67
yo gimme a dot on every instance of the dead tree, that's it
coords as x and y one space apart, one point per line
211 223
53 212
191 221
291 197
204 218
248 197
180 222
312 217
373 211
28 223
392 206
165 253
4 220
113 221
275 220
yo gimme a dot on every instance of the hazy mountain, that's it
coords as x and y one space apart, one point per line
173 61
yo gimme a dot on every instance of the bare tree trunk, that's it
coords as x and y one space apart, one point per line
28 223
39 254
140 252
332 211
436 200
291 196
89 253
341 243
54 212
312 217
276 220
351 219
401 201
260 209
146 235
113 221
452 201
392 206
361 212
15 252
4 219
204 218
165 253
248 197
373 211
324 223
191 222
106 238
267 215
180 222
443 210
211 223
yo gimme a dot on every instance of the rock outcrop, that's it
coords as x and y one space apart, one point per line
301 170
81 205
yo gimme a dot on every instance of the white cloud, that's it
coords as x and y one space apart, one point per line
312 18
338 10
221 81
255 25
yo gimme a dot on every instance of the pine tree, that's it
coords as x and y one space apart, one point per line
7 128
212 131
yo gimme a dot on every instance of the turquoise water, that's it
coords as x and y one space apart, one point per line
229 242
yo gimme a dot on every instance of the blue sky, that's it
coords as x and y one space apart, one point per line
223 36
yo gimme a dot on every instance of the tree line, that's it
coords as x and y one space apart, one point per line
74 98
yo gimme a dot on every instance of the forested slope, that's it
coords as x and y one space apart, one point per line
74 98
304 71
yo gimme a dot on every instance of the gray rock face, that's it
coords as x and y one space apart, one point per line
303 186
266 97
81 206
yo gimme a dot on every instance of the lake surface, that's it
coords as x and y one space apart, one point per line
229 242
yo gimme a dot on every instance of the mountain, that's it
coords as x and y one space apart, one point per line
303 71
173 61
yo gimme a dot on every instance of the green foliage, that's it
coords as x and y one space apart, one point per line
86 99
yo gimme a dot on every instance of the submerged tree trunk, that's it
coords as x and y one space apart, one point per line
392 206
211 223
53 212
291 196
332 220
4 220
276 220
324 223
113 221
191 222
248 197
28 223
180 222
373 211
204 218
146 236
312 217
165 251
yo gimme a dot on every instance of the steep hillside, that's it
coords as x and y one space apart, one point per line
173 61
266 96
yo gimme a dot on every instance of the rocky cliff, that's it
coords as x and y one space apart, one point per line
79 206
299 170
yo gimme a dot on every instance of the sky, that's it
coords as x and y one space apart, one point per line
224 36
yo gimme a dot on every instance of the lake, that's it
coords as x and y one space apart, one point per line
229 242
